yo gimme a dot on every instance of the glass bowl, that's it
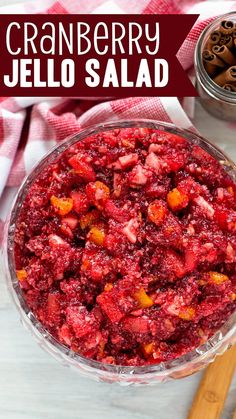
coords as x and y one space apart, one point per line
124 375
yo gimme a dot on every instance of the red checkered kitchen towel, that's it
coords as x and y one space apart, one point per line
29 127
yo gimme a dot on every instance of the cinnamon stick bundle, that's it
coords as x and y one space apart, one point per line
219 55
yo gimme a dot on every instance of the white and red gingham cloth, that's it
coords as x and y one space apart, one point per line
29 127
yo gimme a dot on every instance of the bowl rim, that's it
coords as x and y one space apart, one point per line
210 347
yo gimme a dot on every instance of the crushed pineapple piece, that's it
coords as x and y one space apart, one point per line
230 190
187 313
21 274
217 278
89 219
143 299
85 265
233 296
108 286
156 212
201 332
96 236
62 205
177 200
101 348
128 144
148 348
201 282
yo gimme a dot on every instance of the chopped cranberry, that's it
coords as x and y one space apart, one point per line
81 166
125 247
80 202
81 321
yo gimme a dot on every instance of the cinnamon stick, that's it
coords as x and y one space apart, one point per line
212 62
227 27
229 87
219 55
227 40
214 39
227 76
224 54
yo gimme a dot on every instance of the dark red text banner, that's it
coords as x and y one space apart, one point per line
94 55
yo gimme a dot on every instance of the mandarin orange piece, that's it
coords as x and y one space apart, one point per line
157 212
177 200
62 205
143 299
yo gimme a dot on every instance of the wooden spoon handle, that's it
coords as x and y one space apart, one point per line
212 392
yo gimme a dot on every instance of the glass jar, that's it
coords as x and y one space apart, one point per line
124 375
219 102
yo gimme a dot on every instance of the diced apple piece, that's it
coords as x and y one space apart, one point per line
117 184
118 214
155 148
177 200
157 212
205 206
110 307
144 132
128 160
82 167
221 215
53 309
71 221
136 324
173 265
55 241
98 193
220 194
153 161
62 205
230 253
143 299
80 202
201 155
130 230
139 176
81 321
64 334
96 263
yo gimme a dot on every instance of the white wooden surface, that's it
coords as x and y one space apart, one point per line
35 386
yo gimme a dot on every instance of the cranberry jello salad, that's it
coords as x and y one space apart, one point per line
125 246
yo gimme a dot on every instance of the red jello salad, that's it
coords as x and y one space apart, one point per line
125 246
